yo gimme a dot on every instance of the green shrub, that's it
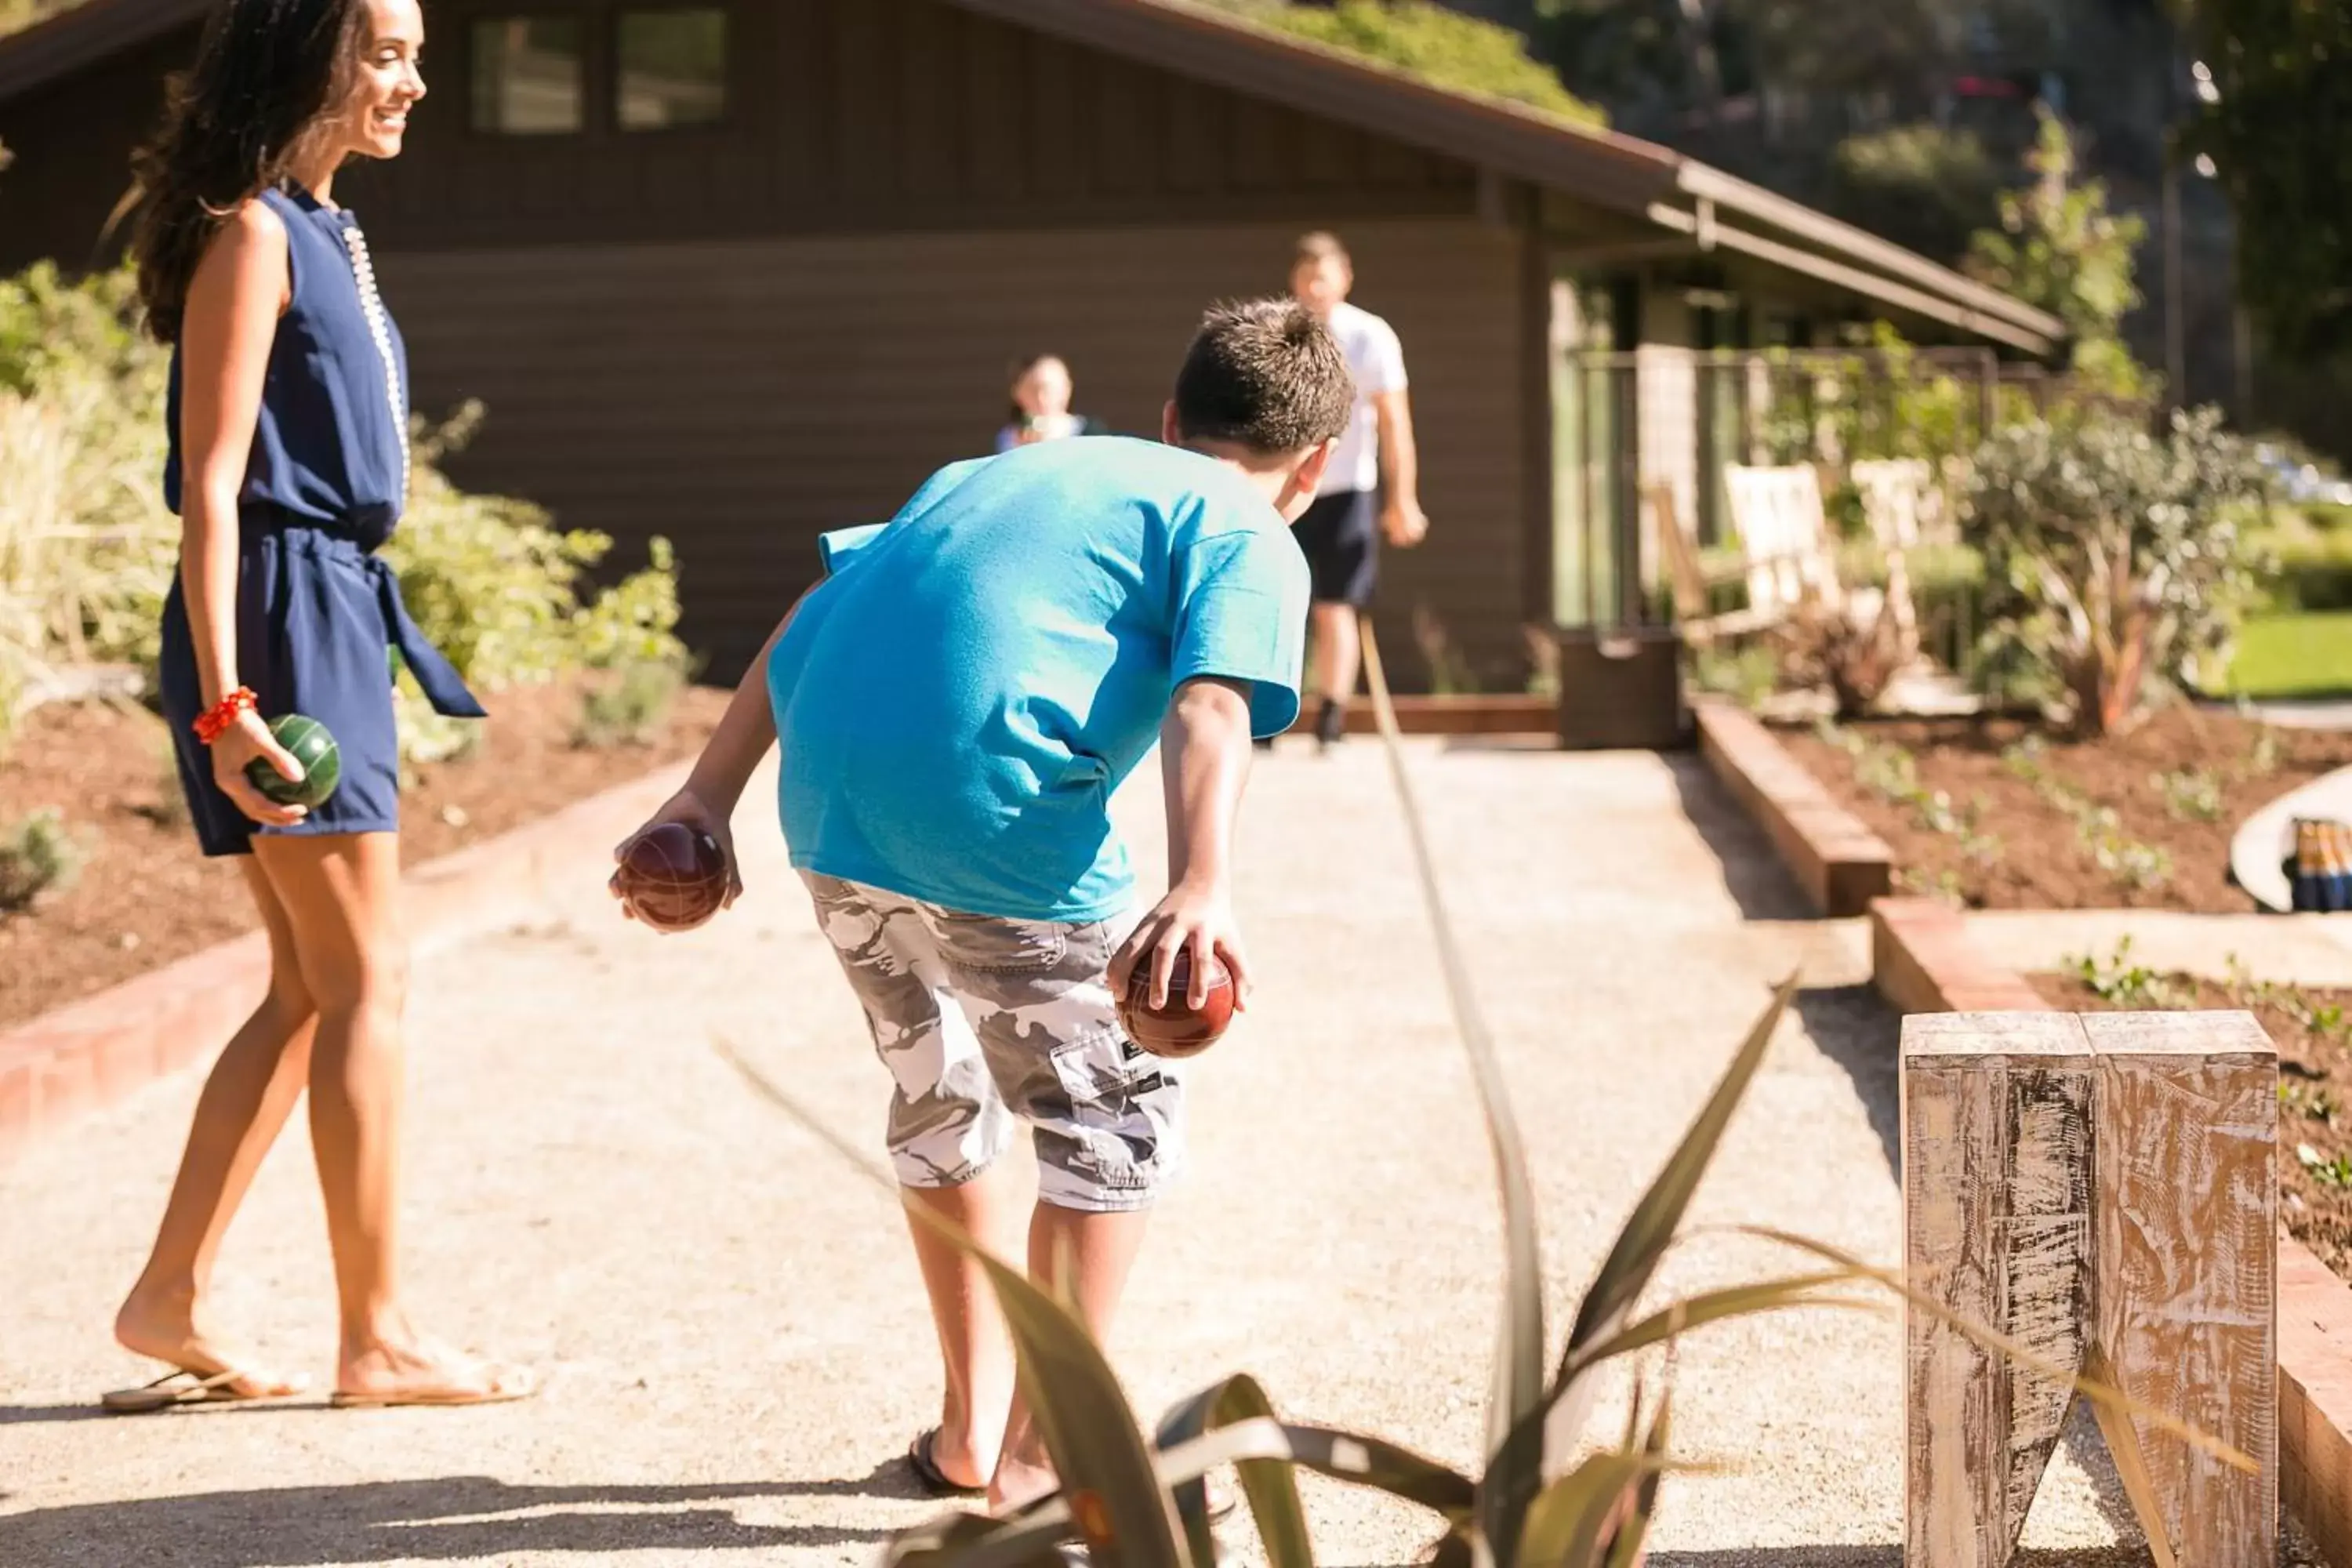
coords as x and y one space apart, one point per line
39 857
17 14
1747 672
1427 40
86 546
2117 560
628 706
2314 570
497 587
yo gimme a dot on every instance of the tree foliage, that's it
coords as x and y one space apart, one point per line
2280 134
2060 247
1426 40
1919 184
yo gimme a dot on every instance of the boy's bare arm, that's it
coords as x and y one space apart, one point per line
1204 762
745 732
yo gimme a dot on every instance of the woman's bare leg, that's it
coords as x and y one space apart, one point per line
243 1106
341 892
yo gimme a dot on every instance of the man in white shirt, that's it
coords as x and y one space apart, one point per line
1370 487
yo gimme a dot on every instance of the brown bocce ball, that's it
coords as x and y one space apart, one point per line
673 877
1175 1029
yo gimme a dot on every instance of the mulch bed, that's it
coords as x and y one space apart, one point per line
145 897
2042 860
2316 1091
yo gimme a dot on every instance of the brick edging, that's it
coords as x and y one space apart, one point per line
1840 865
2314 1339
1923 960
97 1052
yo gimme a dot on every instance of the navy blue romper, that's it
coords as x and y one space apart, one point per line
316 612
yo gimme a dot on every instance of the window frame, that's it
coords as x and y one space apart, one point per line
531 11
731 82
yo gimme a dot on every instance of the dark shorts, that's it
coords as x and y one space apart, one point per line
1341 534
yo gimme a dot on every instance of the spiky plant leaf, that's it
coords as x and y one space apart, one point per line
962 1540
1634 1530
1082 1413
1384 1467
1270 1487
1567 1525
1514 1465
1651 1230
1698 1311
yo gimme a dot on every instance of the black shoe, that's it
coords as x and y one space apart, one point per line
1332 722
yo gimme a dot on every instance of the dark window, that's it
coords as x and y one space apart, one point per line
672 68
528 75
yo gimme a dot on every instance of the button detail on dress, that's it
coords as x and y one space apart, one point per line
379 328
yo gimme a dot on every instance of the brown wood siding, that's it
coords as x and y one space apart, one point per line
888 115
71 142
743 398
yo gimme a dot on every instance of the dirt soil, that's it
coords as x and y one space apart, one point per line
145 896
2315 1094
2043 861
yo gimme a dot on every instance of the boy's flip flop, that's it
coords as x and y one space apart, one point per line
934 1480
174 1389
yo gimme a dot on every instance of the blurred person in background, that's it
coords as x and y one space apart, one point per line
1041 389
1371 488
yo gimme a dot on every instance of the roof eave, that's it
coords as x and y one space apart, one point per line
90 31
1508 139
1821 232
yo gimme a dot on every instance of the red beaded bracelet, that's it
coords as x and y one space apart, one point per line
214 720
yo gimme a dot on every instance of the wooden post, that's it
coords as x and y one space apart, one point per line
1997 1161
2099 1190
2187 1274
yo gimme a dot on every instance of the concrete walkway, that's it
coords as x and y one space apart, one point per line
737 1348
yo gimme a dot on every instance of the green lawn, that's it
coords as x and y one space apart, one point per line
2294 655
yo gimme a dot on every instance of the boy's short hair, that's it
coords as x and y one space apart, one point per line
1267 375
1320 246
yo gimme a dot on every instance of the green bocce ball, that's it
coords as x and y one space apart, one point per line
313 746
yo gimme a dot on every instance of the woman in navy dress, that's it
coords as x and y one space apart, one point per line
289 467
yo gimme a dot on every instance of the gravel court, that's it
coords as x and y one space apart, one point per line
729 1317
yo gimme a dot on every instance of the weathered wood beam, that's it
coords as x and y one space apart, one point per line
2187 1240
1998 1132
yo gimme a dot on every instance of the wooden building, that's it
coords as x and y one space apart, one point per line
737 271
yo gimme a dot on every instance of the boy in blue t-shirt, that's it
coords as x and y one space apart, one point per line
957 702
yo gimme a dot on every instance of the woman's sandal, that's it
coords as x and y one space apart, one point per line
506 1385
183 1387
924 1463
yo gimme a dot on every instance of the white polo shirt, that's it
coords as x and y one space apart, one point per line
1376 360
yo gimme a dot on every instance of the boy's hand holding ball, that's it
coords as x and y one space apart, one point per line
1181 975
678 869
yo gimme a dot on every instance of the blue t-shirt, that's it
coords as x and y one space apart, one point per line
960 698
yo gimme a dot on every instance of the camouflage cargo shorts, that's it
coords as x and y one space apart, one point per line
982 1019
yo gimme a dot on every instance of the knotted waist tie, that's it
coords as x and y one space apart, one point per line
342 558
